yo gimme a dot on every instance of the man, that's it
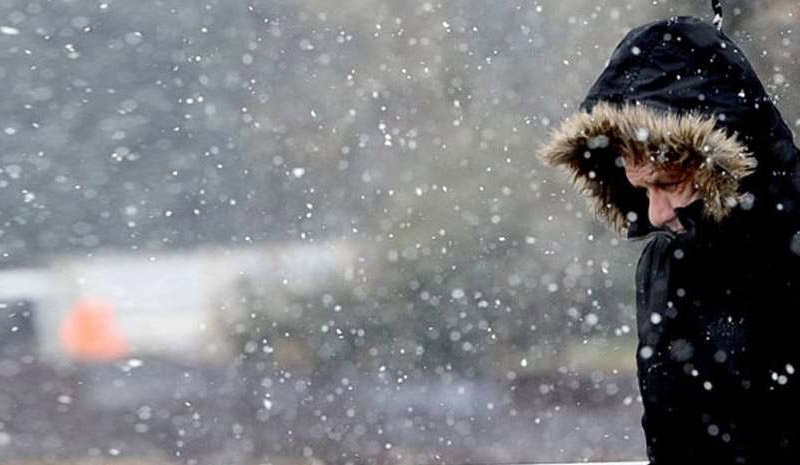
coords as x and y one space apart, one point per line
678 143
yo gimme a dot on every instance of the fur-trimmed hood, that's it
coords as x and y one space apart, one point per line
593 147
675 93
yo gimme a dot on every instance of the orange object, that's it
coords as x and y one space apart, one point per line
91 332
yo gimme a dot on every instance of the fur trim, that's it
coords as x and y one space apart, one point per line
594 146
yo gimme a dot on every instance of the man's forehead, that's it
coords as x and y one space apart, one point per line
652 171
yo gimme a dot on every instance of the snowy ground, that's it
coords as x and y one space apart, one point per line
161 412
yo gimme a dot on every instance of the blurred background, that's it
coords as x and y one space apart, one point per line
314 232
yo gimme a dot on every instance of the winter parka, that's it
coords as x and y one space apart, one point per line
718 306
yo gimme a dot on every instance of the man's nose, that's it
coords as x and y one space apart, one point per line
660 210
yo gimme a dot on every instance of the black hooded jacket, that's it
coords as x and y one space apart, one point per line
718 307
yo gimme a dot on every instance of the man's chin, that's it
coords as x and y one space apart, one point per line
675 229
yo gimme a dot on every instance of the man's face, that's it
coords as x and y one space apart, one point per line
666 191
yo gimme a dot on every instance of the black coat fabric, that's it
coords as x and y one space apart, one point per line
718 307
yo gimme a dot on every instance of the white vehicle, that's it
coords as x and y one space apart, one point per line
172 304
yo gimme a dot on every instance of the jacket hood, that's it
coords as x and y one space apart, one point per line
675 92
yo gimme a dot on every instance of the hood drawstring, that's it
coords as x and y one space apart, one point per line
717 6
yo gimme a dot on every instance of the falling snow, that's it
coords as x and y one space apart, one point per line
316 232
